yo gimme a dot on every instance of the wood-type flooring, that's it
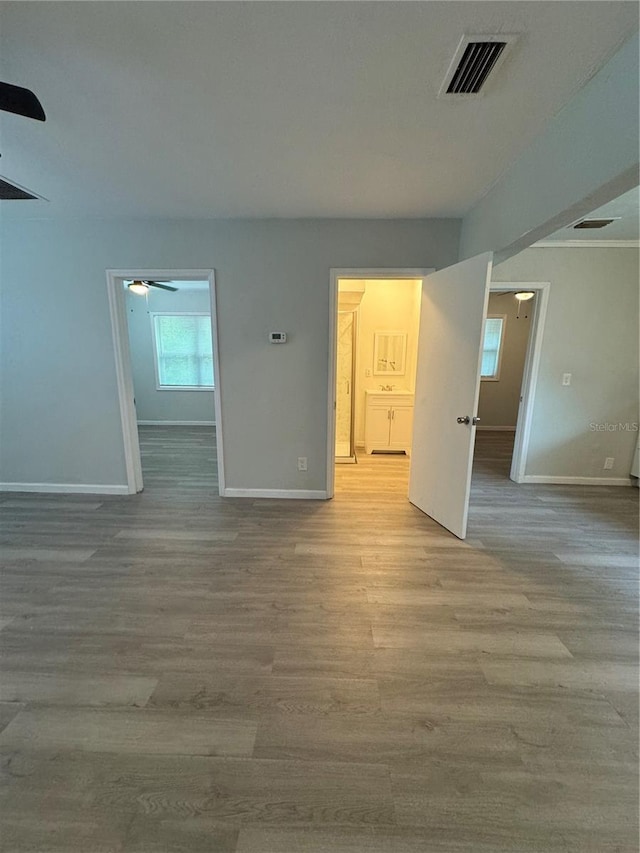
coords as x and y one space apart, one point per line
183 672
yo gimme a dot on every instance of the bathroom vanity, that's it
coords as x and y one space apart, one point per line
388 421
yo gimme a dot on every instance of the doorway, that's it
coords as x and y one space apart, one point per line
506 336
372 355
171 368
453 312
506 402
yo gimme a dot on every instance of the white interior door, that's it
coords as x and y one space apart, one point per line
454 305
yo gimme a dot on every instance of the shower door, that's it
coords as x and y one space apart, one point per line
345 375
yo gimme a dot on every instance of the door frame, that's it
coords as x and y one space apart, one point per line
335 274
354 372
530 371
124 374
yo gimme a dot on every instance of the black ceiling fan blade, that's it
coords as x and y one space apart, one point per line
22 102
161 286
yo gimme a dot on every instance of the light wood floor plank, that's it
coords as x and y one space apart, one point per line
122 731
605 675
445 641
178 535
60 689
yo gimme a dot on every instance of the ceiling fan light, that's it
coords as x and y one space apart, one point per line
525 295
139 287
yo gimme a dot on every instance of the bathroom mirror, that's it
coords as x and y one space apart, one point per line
389 353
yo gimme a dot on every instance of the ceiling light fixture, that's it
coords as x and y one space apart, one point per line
139 287
523 296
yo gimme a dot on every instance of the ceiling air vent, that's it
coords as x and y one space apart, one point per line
595 223
476 57
11 192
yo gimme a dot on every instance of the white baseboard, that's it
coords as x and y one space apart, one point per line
288 494
575 481
176 423
497 428
65 488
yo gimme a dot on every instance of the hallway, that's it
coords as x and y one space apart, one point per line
183 672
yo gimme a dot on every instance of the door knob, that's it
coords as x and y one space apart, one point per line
475 421
465 420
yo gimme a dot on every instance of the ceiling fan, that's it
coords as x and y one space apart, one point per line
22 102
142 287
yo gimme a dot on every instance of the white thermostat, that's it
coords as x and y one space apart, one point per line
278 337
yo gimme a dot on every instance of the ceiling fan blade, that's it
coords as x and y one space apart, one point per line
22 102
161 286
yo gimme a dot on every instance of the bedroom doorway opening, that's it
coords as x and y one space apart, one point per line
510 358
165 342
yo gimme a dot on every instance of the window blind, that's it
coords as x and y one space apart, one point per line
184 350
491 346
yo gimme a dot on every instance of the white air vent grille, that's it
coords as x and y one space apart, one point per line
474 67
476 57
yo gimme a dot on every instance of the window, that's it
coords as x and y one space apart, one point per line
492 347
183 351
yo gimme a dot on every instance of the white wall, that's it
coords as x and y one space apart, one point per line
592 333
500 399
585 157
60 420
386 306
151 403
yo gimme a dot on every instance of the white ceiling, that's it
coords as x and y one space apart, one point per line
289 109
625 210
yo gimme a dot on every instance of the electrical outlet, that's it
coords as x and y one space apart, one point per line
367 371
608 463
302 463
566 379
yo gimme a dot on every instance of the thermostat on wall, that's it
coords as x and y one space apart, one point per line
278 337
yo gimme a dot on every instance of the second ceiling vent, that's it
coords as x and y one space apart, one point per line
476 57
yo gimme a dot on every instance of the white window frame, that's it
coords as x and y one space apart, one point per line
159 387
496 376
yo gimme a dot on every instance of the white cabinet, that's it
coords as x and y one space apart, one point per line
388 420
